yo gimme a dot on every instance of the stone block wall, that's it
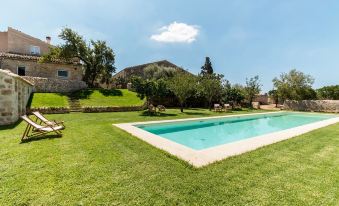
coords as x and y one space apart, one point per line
55 85
14 95
313 105
46 70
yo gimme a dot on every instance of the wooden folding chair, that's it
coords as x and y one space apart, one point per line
43 119
33 129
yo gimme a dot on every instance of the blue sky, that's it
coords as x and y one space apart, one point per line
242 38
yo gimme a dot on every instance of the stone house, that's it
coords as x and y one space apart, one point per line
20 53
14 95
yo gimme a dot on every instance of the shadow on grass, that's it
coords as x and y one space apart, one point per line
110 92
82 94
11 126
38 138
85 94
194 113
158 114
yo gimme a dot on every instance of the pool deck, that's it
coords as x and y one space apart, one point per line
200 158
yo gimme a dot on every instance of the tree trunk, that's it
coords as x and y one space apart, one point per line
181 107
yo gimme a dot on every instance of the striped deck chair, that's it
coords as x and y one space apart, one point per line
34 129
43 119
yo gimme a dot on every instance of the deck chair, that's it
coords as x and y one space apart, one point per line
152 109
161 108
34 129
217 108
227 107
43 119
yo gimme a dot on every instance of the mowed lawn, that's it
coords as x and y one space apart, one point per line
95 163
114 97
49 100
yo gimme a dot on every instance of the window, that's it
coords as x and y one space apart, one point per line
63 73
21 70
35 50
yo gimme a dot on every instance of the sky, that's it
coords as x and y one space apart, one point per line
243 38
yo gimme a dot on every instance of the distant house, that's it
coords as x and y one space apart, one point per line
20 54
138 70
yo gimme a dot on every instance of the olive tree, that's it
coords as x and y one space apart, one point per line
294 85
183 86
252 88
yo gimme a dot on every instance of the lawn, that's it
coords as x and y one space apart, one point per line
48 100
114 97
96 163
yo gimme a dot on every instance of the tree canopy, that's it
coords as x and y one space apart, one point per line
207 67
210 86
98 58
183 86
233 94
329 92
294 85
252 88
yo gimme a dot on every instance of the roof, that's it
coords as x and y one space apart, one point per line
139 69
32 58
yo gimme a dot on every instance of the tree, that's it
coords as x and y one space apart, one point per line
274 94
252 88
207 67
144 88
183 86
233 94
98 59
154 71
329 92
294 85
210 85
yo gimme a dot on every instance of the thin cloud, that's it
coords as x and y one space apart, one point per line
176 33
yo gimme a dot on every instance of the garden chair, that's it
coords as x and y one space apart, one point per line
217 108
43 119
152 109
227 107
161 108
34 129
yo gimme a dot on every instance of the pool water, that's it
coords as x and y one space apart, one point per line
206 133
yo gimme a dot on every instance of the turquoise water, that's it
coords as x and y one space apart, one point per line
204 134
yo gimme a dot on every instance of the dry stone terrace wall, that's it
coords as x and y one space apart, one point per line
55 85
313 105
14 95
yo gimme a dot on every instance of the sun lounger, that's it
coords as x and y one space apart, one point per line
34 129
152 108
227 107
46 121
161 108
217 108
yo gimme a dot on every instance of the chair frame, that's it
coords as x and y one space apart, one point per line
43 119
34 129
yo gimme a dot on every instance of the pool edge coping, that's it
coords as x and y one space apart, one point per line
200 158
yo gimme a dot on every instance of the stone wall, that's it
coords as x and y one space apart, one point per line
14 95
55 85
313 105
47 70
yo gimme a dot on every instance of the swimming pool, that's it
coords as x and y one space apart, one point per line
201 141
202 134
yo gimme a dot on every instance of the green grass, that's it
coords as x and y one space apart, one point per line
95 163
48 100
114 97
